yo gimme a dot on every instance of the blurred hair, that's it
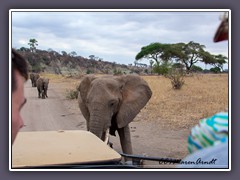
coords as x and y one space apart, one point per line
19 64
222 30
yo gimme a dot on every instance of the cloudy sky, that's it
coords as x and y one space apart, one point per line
114 36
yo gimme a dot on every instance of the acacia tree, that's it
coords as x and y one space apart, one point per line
33 43
220 60
64 53
186 54
92 57
190 53
73 53
154 51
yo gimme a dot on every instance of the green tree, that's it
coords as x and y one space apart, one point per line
178 66
33 43
185 54
189 54
161 69
196 69
64 53
215 70
92 57
220 60
151 65
73 53
154 51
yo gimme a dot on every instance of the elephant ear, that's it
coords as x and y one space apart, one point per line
83 89
135 93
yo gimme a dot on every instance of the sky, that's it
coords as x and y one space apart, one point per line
115 36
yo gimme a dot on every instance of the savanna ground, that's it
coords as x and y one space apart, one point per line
162 127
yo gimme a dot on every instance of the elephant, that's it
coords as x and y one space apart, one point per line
42 87
110 103
34 77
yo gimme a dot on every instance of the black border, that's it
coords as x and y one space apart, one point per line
133 4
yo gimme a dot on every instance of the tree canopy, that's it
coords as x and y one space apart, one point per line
186 54
155 51
33 43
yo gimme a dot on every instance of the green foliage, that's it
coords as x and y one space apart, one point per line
117 72
37 68
23 49
178 66
33 43
73 54
156 68
161 69
92 57
89 71
186 54
196 69
215 70
155 51
64 53
220 60
146 71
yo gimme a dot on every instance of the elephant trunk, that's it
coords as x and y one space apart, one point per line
99 125
96 126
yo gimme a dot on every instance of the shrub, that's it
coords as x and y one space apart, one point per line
196 69
177 78
72 94
117 72
215 70
161 69
89 71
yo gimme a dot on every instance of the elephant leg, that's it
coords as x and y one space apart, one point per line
43 95
46 94
125 139
39 93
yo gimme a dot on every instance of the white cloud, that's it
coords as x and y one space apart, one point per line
114 36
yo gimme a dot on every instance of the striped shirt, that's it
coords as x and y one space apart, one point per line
209 132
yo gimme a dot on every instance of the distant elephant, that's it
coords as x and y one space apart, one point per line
42 87
112 102
34 77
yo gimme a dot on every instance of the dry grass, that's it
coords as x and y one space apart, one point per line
201 96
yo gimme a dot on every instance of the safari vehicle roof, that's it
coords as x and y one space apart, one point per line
56 148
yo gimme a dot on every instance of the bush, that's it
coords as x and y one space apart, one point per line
37 68
117 72
196 69
215 70
89 71
177 78
72 94
161 69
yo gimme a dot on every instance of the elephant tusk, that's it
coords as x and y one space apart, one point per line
106 139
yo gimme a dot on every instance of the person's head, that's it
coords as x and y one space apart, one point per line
222 30
19 76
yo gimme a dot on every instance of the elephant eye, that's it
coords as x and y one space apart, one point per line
113 102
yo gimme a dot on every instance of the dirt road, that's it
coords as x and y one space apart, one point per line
58 113
53 113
